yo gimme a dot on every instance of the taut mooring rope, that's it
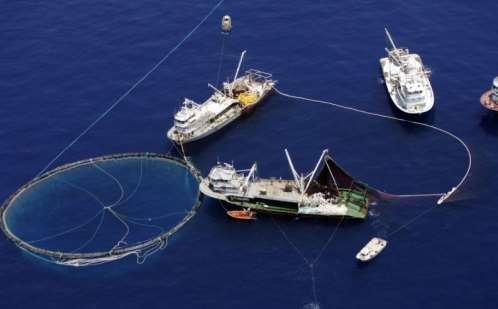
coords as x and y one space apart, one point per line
135 85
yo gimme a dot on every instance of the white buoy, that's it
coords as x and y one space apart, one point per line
226 24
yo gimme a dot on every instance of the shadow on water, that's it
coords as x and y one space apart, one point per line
489 122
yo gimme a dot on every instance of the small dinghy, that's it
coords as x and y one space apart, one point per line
245 214
371 249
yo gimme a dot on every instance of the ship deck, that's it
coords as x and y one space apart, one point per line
275 189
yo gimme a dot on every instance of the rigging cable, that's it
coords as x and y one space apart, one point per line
443 196
130 90
311 264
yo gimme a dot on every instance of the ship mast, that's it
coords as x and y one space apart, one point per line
250 175
297 178
315 169
390 39
237 72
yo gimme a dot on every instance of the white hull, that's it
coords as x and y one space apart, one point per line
208 130
371 249
419 107
211 128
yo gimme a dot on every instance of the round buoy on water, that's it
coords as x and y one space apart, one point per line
226 24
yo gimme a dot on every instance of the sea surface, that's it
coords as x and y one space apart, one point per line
63 63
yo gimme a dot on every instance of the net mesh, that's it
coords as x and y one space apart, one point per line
103 209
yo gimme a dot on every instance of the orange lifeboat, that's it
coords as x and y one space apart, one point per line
245 214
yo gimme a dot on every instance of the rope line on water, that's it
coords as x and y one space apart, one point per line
84 190
130 90
66 231
127 232
116 181
93 235
135 189
165 215
332 235
420 215
294 247
120 248
220 64
311 264
444 196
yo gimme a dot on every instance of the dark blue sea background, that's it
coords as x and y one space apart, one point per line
63 63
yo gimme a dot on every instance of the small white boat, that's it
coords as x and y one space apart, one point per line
371 249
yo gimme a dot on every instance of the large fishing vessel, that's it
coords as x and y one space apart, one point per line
327 191
194 121
407 80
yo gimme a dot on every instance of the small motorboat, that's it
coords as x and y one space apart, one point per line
371 249
245 214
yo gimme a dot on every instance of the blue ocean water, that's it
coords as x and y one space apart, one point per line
64 62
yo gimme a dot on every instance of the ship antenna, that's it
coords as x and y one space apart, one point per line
391 41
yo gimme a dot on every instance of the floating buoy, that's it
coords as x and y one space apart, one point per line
226 24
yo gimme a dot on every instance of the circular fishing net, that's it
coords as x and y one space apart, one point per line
102 209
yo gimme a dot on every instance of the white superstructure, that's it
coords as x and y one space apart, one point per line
194 121
407 80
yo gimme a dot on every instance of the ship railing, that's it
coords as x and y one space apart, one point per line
259 75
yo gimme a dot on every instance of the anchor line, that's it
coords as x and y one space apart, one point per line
314 261
416 218
130 90
443 196
220 64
